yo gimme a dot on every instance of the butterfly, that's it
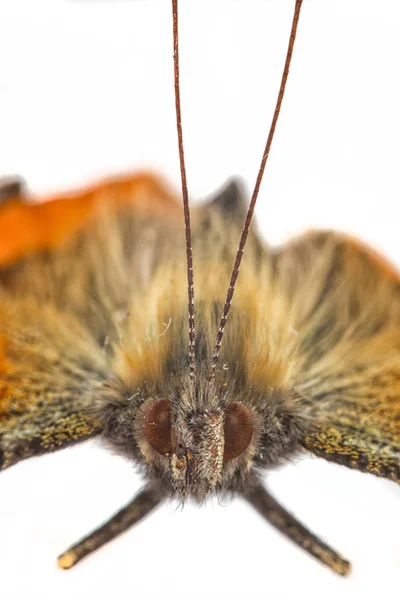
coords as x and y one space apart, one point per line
95 295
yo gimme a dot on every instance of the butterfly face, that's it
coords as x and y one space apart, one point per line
202 439
198 446
195 451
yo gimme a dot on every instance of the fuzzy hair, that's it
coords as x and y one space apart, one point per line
104 318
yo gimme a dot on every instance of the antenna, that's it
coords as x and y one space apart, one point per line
249 216
186 210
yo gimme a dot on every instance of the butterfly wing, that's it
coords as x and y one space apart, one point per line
67 267
346 302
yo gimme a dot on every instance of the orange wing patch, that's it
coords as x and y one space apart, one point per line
27 228
31 371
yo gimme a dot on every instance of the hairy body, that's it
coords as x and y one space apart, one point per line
93 331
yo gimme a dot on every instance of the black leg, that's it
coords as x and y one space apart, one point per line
131 514
269 508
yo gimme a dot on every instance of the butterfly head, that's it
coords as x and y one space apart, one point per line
197 444
193 446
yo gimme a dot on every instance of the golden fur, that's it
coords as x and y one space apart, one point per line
94 342
317 320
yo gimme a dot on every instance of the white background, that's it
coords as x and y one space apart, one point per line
86 89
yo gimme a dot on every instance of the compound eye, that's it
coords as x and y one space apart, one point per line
158 427
238 430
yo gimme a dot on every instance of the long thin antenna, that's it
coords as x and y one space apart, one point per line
186 210
246 227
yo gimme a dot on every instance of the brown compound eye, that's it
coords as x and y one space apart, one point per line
238 430
158 426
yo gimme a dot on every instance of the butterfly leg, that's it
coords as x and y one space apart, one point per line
42 431
269 508
128 516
